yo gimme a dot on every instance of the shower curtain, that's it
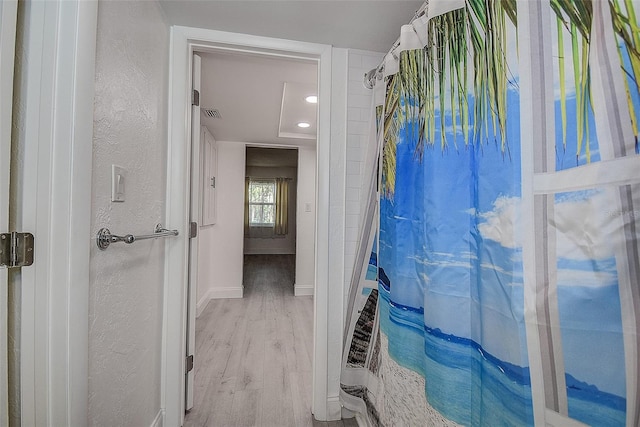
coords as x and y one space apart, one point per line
497 279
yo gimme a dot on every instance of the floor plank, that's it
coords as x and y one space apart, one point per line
253 355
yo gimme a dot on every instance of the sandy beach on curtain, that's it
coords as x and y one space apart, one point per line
403 400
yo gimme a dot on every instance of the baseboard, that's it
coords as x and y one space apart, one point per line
226 292
334 408
218 293
159 421
303 290
347 413
202 304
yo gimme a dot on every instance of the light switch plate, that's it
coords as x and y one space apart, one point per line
118 179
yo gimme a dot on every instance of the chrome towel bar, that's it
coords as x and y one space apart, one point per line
104 237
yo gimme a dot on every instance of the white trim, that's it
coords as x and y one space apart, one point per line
202 304
324 339
195 197
295 135
183 41
225 292
8 17
335 274
56 139
334 407
159 420
303 290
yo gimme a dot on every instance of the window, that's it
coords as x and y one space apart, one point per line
262 203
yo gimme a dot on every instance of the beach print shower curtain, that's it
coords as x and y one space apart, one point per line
497 280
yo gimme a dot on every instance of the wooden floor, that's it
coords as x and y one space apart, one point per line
253 355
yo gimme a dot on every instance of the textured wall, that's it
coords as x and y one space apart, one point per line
358 111
125 311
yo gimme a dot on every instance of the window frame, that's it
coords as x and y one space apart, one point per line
250 203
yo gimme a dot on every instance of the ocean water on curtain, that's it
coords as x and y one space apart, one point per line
506 391
451 285
451 276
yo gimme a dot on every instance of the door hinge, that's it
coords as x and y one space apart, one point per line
195 98
193 230
16 249
213 181
189 366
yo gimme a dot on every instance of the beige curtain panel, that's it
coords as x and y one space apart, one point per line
281 227
246 206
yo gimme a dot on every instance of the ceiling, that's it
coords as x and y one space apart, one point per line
247 90
358 24
251 91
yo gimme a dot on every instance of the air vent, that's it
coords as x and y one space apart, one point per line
210 112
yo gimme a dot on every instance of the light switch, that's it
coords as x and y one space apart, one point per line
118 178
307 207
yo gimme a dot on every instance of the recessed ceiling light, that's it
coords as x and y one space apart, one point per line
303 125
311 99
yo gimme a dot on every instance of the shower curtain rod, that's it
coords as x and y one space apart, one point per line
371 75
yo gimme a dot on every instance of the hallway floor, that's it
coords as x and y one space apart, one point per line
253 355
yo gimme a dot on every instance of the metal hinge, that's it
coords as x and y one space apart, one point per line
195 99
213 181
189 366
16 249
193 230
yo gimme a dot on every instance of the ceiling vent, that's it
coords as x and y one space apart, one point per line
210 112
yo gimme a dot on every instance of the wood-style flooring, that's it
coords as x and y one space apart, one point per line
253 355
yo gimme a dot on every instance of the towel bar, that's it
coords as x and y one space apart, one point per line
104 237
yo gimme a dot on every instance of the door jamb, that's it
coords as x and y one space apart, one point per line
8 28
55 88
184 40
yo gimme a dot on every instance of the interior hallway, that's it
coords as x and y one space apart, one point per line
253 355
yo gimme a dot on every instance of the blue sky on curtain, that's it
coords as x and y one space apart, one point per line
442 337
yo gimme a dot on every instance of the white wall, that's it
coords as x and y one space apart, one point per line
221 245
126 292
358 111
276 245
205 272
221 254
305 243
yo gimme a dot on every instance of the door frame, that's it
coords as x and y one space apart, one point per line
8 21
327 317
195 216
55 75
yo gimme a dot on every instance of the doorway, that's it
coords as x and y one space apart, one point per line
184 42
271 190
259 183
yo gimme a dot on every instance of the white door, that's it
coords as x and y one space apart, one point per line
209 172
193 242
8 13
52 181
